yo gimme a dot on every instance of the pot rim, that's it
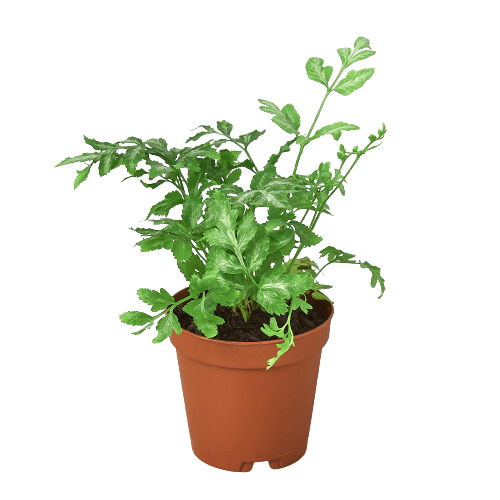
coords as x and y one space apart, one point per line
263 342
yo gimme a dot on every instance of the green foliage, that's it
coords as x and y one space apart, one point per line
224 252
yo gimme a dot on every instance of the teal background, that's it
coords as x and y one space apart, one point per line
407 401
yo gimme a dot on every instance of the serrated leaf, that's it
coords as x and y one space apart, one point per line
108 161
316 72
246 139
192 210
82 176
360 56
153 185
274 288
197 136
159 169
335 130
297 302
160 144
224 127
234 176
335 255
288 120
166 326
82 157
154 242
353 81
221 261
257 250
269 107
246 230
159 300
100 146
375 276
134 140
182 249
307 237
361 43
133 156
202 312
162 208
135 318
344 56
283 149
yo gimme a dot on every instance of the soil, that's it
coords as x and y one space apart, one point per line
235 329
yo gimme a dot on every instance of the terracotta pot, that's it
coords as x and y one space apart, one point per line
238 412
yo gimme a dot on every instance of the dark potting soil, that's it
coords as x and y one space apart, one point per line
235 329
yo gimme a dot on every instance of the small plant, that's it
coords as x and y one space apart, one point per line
228 257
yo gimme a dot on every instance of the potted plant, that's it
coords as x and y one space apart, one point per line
251 290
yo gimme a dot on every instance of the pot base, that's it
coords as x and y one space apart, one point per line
238 465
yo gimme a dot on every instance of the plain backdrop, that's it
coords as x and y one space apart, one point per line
407 402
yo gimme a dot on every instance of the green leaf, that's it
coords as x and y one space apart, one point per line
288 120
202 312
82 176
257 250
106 163
282 240
145 231
224 127
375 276
307 237
344 56
268 190
361 43
234 176
246 139
247 229
298 302
274 288
221 261
135 318
283 149
339 256
162 208
100 145
182 249
342 189
192 210
159 169
353 81
223 217
133 156
382 131
155 242
335 130
269 107
335 255
166 326
190 266
208 130
159 300
324 176
160 144
360 56
316 72
138 173
153 185
134 140
82 157
282 348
